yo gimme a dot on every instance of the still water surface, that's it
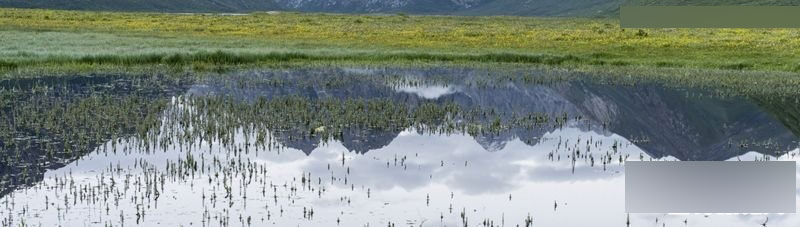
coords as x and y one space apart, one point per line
202 170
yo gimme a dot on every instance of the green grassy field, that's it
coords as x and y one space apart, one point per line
36 38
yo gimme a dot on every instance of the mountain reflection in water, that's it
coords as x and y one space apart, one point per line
565 175
687 124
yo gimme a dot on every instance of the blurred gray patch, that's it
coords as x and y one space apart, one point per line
710 16
710 187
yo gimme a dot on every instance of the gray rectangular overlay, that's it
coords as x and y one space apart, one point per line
710 187
710 16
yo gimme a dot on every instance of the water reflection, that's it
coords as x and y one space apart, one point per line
48 122
428 92
568 174
432 174
688 124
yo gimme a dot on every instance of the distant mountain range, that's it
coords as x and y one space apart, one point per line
580 8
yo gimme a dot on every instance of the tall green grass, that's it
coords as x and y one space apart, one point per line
231 58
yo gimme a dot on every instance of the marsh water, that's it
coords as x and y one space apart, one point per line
365 147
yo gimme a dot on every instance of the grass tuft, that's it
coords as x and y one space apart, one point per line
7 65
229 58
